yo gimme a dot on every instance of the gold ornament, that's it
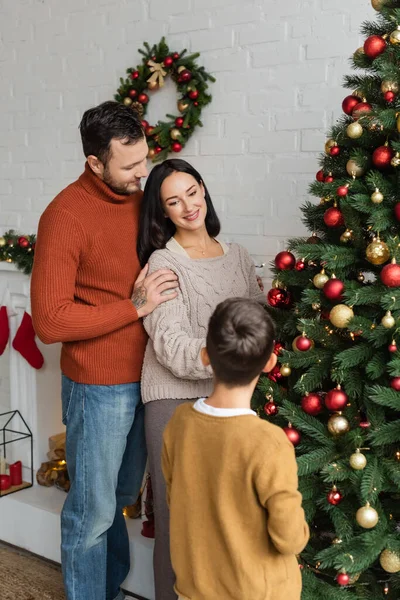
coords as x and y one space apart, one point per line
128 101
340 315
181 68
353 168
2 242
346 236
395 162
367 517
320 279
336 541
360 277
151 153
338 424
398 124
316 305
359 52
153 85
182 106
175 134
354 130
285 370
358 460
378 4
389 86
138 107
397 455
329 144
377 252
158 74
377 196
354 578
9 260
359 94
390 561
395 36
388 320
277 284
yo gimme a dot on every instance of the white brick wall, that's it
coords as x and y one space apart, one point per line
278 64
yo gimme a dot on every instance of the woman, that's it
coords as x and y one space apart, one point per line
178 229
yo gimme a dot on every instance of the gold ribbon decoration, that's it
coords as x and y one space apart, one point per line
158 73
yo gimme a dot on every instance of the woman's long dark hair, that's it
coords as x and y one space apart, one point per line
154 229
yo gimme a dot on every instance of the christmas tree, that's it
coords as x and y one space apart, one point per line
336 303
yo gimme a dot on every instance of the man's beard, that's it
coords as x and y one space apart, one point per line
123 190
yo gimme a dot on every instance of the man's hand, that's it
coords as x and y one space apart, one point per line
148 290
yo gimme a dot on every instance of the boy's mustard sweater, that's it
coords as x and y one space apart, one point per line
236 516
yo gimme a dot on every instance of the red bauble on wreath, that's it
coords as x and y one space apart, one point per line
343 579
374 46
329 178
395 384
360 110
333 289
285 261
390 275
303 343
279 298
389 96
311 404
336 400
382 157
333 217
349 103
342 191
293 435
320 176
158 63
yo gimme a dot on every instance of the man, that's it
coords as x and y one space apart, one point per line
88 292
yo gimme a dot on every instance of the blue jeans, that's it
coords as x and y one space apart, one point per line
106 458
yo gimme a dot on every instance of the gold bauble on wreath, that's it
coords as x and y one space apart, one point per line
285 371
153 85
353 168
128 101
320 279
390 561
378 4
354 130
377 252
395 162
389 86
2 242
175 133
182 106
338 424
354 578
358 460
395 37
329 144
377 196
340 315
151 153
367 517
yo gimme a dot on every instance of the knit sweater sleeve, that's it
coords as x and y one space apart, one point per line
250 274
170 330
277 487
57 317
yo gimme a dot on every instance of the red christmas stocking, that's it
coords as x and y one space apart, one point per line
24 343
4 329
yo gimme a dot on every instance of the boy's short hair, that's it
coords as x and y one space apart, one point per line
240 341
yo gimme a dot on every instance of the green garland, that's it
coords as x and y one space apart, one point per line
18 249
191 81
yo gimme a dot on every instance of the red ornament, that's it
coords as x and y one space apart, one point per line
168 60
278 298
195 103
185 75
395 384
390 275
389 96
176 147
329 179
275 374
285 260
134 74
392 347
293 435
133 93
343 579
193 94
271 409
143 98
361 109
374 46
334 497
336 400
158 149
311 404
365 424
334 151
397 211
23 242
320 176
278 347
179 122
382 157
300 265
342 190
149 130
314 239
303 343
333 289
349 103
175 55
333 217
145 124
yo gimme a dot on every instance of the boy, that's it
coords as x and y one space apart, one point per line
236 516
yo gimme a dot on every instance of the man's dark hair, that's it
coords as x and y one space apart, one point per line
110 120
240 341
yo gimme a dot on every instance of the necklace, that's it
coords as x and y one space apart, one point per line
202 252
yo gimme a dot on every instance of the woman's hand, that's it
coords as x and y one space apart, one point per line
148 289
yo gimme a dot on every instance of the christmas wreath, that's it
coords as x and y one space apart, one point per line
18 249
191 81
